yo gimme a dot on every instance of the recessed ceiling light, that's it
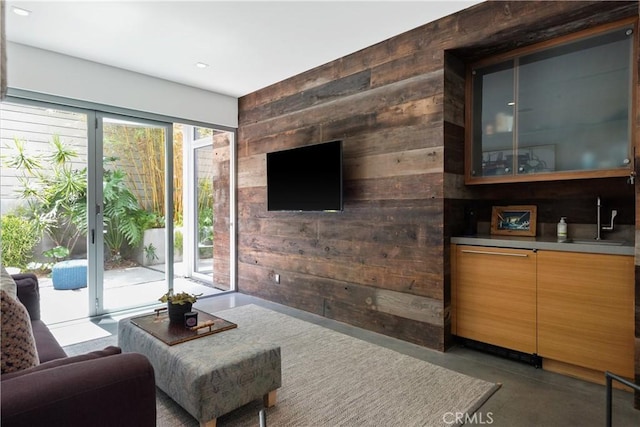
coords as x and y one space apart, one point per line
201 65
20 11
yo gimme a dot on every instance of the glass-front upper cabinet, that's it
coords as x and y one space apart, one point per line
557 110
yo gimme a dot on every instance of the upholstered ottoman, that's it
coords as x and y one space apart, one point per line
212 375
70 274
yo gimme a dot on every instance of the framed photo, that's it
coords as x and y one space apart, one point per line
514 220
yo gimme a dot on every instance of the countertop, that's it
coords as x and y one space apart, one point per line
611 247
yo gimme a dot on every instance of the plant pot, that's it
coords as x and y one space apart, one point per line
177 312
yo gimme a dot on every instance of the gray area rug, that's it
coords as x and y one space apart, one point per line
332 379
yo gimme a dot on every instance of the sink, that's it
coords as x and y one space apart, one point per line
597 242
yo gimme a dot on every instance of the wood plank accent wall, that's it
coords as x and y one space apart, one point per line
383 263
221 219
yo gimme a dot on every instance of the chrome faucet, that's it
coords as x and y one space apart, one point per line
607 227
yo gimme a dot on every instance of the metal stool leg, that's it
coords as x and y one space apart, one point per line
263 418
610 377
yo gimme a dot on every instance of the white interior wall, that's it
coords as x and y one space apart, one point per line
51 73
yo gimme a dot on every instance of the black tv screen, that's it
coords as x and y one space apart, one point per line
305 178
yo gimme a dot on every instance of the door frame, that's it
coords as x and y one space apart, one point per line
95 208
91 109
190 146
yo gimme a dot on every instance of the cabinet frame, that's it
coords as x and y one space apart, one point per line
553 176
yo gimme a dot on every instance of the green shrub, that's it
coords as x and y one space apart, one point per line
19 237
178 241
55 194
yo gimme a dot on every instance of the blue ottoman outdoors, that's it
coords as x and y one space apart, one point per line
70 274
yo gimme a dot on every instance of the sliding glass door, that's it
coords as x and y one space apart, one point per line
43 203
203 213
133 213
111 211
208 205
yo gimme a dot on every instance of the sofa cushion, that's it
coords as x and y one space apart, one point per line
108 351
117 390
7 283
47 345
29 293
18 344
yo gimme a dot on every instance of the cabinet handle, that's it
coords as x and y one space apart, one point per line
467 251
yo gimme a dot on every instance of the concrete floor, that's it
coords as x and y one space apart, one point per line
528 396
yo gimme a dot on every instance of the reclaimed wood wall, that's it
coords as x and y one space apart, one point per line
383 263
222 142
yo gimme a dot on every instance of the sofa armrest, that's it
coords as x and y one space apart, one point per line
117 390
28 291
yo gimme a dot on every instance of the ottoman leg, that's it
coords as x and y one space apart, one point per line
270 398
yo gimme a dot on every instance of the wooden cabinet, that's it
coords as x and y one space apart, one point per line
575 310
495 296
557 110
586 310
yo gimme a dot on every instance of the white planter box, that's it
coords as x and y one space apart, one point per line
156 237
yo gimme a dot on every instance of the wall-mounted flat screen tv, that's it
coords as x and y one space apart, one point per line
305 178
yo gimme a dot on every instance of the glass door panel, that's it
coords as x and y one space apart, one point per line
43 204
204 210
137 265
120 214
574 105
493 120
207 201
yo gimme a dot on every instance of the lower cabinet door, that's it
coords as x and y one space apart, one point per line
495 296
586 310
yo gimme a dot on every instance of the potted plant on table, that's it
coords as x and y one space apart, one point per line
178 304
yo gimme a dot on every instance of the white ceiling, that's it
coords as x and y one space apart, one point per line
248 44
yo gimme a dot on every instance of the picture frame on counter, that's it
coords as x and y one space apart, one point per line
514 220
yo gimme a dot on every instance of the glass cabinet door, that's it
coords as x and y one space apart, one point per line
493 135
565 109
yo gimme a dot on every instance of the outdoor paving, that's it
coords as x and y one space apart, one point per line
123 288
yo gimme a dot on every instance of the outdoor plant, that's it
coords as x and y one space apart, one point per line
205 211
58 253
178 241
150 253
19 238
124 219
56 198
132 143
55 195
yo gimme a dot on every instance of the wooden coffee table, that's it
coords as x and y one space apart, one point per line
211 375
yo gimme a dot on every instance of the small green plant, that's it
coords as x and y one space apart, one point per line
205 211
178 241
58 253
179 298
150 253
19 238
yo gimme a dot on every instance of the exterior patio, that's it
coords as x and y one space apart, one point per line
123 289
